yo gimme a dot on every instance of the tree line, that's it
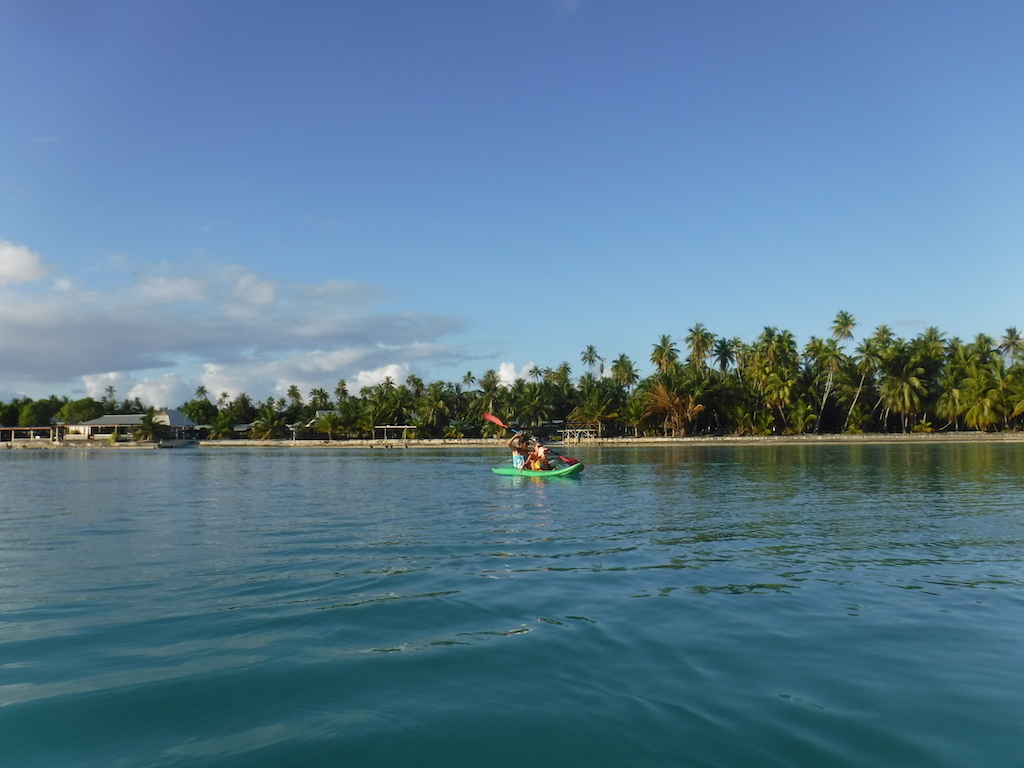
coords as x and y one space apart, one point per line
711 385
26 412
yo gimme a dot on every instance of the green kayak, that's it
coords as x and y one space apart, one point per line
567 470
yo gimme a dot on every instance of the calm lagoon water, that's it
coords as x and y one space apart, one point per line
827 605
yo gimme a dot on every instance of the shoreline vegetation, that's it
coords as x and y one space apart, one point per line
911 438
632 442
722 390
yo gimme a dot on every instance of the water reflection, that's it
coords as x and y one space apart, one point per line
821 509
813 598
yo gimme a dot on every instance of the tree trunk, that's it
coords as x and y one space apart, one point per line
854 404
824 399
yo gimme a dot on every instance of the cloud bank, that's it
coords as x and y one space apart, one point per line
162 330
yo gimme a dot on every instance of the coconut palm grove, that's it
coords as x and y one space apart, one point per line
701 384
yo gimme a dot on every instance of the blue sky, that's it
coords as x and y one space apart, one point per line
247 195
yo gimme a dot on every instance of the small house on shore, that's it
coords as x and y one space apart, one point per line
179 426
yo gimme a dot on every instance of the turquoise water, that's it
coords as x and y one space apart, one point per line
824 605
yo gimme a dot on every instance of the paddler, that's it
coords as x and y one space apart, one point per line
519 445
539 458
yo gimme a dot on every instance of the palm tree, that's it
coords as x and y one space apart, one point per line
269 424
983 413
384 404
634 411
588 383
223 426
319 400
492 395
772 372
1016 399
456 429
868 363
699 340
109 401
989 395
201 393
458 401
828 356
624 373
243 407
432 410
598 408
950 404
932 345
490 387
663 400
589 356
665 353
842 331
724 352
328 422
341 391
677 396
784 349
1012 344
531 404
149 430
349 413
902 387
562 375
886 347
778 392
842 326
775 349
983 348
801 416
415 385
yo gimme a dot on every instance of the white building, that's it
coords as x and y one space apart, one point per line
179 425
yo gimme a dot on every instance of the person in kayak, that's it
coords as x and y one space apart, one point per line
539 458
519 444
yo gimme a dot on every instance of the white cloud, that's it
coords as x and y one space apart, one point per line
168 391
318 368
397 373
250 289
508 373
217 379
225 327
19 265
96 385
163 289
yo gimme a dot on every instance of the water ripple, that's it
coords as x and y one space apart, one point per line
835 605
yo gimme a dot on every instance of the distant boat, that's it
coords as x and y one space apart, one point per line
174 443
